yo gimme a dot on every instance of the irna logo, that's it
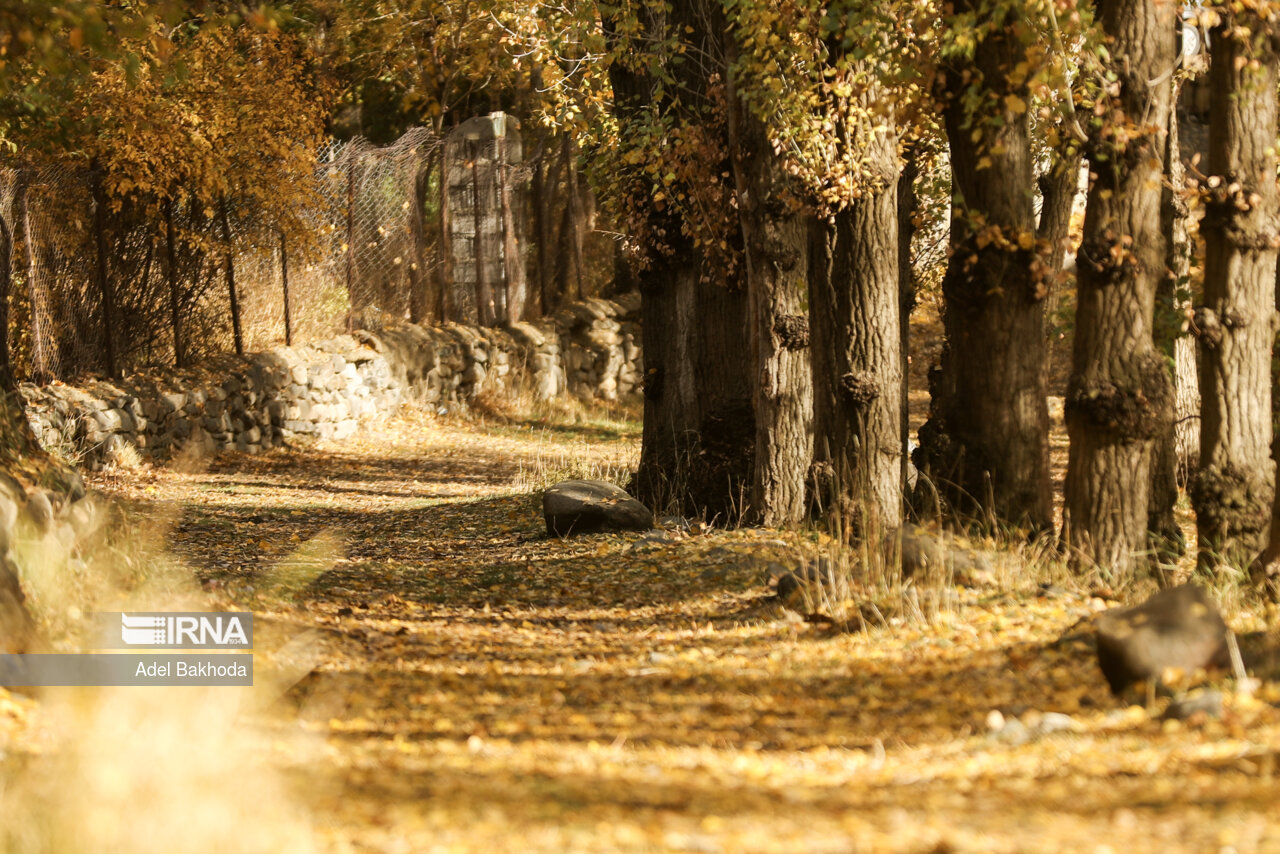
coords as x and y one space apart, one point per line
186 630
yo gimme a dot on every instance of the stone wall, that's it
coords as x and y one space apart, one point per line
590 349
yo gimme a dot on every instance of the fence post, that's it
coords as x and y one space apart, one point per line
484 293
351 237
517 284
231 277
8 383
39 356
171 273
284 278
573 210
102 273
446 238
418 308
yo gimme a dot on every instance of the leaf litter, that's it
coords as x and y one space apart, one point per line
475 686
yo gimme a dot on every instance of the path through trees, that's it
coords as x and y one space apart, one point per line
476 683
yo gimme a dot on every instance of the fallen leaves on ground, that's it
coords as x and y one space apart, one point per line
477 686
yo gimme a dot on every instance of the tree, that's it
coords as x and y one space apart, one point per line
670 177
775 238
985 445
829 85
1119 395
1171 339
406 62
857 352
1234 485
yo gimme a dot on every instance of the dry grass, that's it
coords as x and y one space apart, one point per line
134 769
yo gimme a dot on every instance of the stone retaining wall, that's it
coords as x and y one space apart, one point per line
590 349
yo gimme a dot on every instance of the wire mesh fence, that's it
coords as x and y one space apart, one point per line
99 287
93 288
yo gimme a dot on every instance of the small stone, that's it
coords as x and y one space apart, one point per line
1208 703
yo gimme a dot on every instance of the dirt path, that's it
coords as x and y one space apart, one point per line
480 688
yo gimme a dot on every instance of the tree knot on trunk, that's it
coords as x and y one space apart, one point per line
1233 503
792 331
1135 410
1209 328
1237 213
1109 258
859 389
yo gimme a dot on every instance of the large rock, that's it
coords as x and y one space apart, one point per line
936 555
1177 629
591 506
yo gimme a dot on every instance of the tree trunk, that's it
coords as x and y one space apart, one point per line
1234 486
541 190
1167 541
697 449
20 454
776 244
908 205
985 446
1057 200
1119 396
857 357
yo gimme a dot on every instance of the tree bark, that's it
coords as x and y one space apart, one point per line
1119 396
857 356
697 449
541 190
775 237
1234 487
1057 200
985 447
1167 540
908 205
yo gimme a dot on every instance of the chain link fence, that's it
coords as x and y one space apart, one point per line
94 289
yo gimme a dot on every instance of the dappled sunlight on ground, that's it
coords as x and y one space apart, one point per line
472 685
